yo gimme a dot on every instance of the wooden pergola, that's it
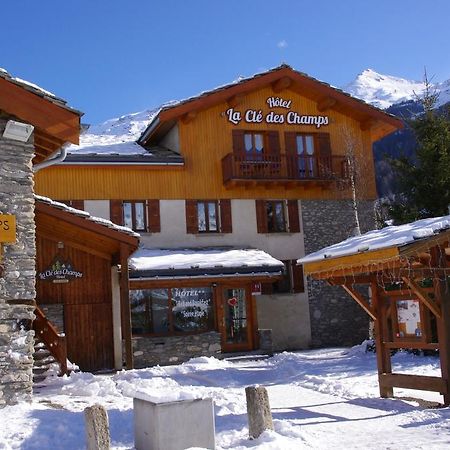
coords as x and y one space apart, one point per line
415 276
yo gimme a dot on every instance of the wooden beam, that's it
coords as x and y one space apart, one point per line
326 103
360 300
422 383
235 100
422 295
281 84
125 309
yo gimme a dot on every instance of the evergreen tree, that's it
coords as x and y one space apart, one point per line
424 182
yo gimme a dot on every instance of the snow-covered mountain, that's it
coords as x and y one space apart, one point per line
384 91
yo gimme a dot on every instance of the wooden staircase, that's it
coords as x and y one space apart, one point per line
50 348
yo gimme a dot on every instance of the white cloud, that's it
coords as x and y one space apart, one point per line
282 44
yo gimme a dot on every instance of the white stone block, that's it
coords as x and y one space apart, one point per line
174 425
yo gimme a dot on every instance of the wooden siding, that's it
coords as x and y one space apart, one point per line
204 141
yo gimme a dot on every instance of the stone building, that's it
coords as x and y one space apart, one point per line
257 165
34 124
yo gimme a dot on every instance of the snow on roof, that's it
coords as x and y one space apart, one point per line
145 259
393 236
86 215
35 89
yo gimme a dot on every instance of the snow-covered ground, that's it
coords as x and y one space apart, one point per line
320 399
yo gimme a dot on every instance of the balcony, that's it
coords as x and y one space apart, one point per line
288 170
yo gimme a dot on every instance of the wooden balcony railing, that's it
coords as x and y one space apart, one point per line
283 167
55 343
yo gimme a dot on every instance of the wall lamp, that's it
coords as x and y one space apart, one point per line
18 131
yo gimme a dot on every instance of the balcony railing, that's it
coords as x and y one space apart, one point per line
283 167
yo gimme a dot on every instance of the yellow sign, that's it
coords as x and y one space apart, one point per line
7 228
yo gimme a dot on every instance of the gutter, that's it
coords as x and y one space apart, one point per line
55 158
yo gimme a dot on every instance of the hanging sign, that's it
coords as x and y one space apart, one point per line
7 228
235 116
60 271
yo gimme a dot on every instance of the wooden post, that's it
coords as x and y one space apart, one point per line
383 353
125 312
442 293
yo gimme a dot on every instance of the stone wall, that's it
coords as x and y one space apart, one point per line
17 284
336 319
152 351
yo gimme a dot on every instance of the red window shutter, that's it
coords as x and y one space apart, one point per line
290 141
116 211
266 288
261 216
154 219
191 217
293 216
77 204
226 224
273 140
238 141
297 277
323 145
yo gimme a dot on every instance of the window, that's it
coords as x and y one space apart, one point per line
207 216
292 281
134 215
277 216
305 155
171 311
276 222
254 145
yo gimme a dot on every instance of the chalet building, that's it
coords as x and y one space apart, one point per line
228 190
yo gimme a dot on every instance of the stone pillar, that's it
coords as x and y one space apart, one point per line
336 319
258 411
17 284
97 428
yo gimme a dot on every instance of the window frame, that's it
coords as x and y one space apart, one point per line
206 204
133 214
273 204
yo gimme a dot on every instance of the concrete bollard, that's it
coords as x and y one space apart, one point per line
97 428
258 411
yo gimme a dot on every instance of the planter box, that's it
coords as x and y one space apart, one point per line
173 425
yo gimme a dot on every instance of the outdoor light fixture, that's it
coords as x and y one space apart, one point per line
18 131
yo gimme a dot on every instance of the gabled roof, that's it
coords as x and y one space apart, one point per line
54 121
287 77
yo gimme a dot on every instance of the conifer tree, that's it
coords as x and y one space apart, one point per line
424 181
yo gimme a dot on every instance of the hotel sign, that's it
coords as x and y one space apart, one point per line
272 117
7 228
60 271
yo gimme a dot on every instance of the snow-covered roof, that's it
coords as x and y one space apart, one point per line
35 89
393 236
207 261
85 215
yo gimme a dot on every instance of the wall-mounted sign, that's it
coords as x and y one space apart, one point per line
60 271
256 288
7 228
291 117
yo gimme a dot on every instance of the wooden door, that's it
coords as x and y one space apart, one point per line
235 318
89 334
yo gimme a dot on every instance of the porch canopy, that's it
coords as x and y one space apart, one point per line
207 262
407 268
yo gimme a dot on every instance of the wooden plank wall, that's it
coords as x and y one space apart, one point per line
204 141
87 304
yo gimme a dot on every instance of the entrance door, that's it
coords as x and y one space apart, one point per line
236 323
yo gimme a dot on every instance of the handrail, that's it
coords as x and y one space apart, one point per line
55 343
283 167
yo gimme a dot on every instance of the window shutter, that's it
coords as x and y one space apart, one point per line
191 217
238 141
116 211
77 204
226 223
297 276
274 142
290 141
266 288
261 216
154 219
323 148
293 216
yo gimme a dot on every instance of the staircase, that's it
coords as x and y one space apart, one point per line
50 349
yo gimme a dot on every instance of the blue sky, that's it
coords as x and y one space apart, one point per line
109 58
